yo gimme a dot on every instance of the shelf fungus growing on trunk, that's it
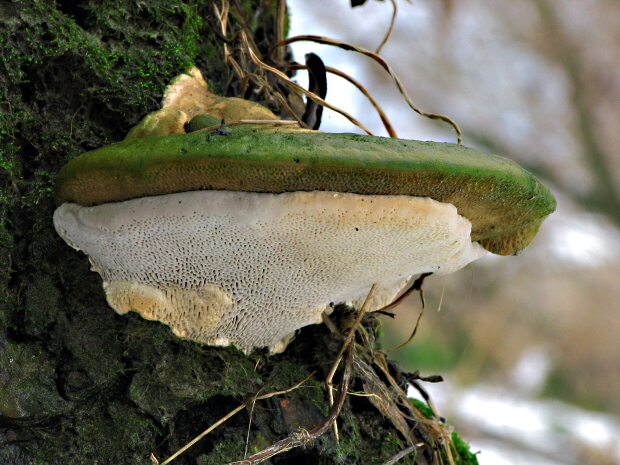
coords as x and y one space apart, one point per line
245 234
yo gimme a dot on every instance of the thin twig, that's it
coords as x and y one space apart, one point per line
270 122
303 437
389 31
416 286
329 323
384 65
238 69
403 453
384 119
247 436
275 122
351 332
413 333
330 397
345 346
203 434
222 17
443 290
280 28
277 95
227 416
299 88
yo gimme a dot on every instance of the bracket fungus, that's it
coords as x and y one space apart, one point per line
246 235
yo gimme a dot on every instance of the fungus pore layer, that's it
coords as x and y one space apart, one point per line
248 268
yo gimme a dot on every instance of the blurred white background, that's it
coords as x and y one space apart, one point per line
529 345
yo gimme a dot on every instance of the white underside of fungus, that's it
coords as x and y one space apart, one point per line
246 268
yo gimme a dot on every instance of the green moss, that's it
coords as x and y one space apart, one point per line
28 382
463 452
41 305
126 53
6 244
504 203
389 447
8 174
226 450
102 433
460 449
350 444
170 381
423 408
287 374
201 122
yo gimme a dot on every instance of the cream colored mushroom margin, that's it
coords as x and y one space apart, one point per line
225 267
249 269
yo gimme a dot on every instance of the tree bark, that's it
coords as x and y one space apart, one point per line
80 384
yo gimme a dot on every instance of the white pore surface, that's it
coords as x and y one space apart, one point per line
246 268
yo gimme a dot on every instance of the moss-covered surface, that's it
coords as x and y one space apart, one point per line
504 202
80 384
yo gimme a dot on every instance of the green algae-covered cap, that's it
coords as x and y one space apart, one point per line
505 203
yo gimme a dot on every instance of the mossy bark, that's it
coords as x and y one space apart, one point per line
80 384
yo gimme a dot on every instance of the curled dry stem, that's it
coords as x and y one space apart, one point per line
384 119
416 286
222 17
249 47
390 398
389 31
384 65
293 85
277 95
413 333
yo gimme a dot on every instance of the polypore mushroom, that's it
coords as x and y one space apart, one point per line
245 238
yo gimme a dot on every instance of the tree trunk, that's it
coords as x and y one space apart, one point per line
80 384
